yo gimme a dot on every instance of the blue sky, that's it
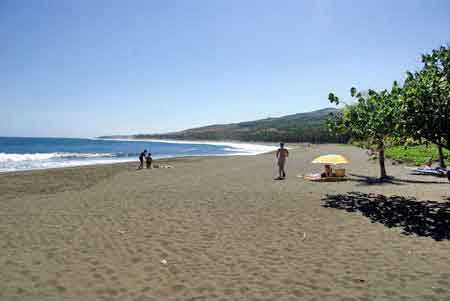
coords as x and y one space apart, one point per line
88 68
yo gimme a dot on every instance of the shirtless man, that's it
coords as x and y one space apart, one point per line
282 154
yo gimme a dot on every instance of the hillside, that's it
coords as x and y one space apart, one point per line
301 127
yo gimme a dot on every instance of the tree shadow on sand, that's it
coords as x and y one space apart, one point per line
423 218
367 180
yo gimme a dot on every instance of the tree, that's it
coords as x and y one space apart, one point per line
373 117
441 157
425 105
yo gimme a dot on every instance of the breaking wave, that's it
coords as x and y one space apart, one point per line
53 156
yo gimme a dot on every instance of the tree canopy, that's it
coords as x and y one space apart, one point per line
373 117
420 110
425 106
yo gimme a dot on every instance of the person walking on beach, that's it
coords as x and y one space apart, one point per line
282 154
141 159
148 160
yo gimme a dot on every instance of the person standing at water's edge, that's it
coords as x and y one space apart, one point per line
282 154
141 159
148 160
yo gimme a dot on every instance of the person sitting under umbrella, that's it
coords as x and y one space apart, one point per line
328 174
328 171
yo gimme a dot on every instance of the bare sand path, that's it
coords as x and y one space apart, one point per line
224 229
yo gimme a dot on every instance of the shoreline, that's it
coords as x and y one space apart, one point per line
131 162
241 149
134 162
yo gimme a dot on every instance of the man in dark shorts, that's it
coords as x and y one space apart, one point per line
141 159
282 154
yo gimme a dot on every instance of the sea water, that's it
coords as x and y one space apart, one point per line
41 153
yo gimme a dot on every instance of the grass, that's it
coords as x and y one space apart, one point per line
417 155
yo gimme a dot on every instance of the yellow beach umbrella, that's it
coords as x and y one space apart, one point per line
331 159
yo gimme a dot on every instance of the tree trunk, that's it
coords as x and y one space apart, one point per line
383 174
441 157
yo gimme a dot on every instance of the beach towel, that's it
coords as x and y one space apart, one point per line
318 178
439 172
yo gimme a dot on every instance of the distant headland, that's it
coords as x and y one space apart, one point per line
301 127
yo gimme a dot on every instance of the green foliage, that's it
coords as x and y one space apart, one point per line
409 115
425 107
373 118
417 155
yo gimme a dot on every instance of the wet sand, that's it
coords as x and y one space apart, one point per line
221 228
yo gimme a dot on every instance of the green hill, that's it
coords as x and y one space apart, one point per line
301 127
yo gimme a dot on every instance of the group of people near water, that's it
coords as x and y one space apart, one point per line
282 154
147 157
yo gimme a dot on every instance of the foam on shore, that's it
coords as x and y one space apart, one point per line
32 161
238 148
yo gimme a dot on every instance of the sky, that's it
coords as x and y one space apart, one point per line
88 68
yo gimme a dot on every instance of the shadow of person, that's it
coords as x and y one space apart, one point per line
422 218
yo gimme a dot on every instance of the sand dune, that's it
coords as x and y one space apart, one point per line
216 229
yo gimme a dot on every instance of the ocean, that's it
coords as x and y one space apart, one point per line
18 154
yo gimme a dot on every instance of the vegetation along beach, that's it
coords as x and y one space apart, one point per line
225 150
